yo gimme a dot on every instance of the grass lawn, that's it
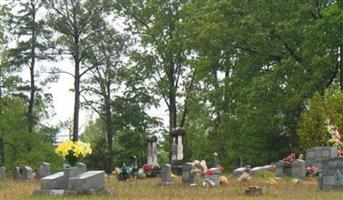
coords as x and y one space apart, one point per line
149 189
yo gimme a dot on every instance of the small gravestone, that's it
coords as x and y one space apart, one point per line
2 173
279 169
332 174
23 173
81 166
316 155
298 169
166 175
87 182
187 175
214 178
43 170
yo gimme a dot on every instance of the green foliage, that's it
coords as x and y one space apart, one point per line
312 131
20 147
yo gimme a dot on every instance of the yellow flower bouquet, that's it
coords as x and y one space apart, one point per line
72 151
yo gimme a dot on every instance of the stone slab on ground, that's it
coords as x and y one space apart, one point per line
54 181
87 182
52 192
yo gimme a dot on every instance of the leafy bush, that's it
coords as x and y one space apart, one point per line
312 129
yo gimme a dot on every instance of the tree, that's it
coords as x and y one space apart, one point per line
76 22
164 59
253 77
312 128
107 52
32 36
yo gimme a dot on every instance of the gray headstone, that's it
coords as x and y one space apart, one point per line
23 173
215 179
69 173
54 181
81 166
43 170
331 177
2 173
298 169
166 174
187 176
216 160
279 171
87 182
316 155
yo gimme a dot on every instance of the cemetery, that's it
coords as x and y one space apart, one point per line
171 99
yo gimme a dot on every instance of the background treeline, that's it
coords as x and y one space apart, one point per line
251 79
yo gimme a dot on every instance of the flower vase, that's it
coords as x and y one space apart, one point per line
71 159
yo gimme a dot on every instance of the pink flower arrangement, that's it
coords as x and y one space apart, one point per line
335 139
287 162
201 168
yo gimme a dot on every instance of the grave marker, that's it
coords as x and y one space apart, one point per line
331 177
316 155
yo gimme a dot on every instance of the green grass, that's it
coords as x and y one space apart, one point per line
149 189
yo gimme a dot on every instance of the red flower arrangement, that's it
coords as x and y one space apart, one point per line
287 162
150 170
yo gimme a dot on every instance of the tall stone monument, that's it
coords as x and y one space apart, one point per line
152 150
177 150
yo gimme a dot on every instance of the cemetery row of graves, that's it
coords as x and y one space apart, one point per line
75 179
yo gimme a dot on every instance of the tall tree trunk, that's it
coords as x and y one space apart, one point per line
32 70
77 77
341 65
2 152
109 127
2 143
76 100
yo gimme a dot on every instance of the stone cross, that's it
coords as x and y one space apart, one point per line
152 150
